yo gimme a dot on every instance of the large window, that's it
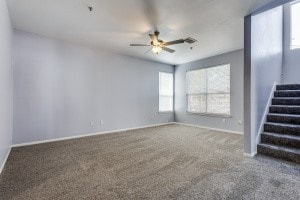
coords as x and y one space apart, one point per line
165 92
208 90
295 25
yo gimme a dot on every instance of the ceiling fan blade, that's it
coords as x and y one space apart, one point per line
154 38
168 50
174 42
139 45
146 52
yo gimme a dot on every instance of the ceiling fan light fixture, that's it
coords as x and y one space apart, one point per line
156 49
159 45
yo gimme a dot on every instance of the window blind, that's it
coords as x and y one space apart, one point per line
208 90
165 92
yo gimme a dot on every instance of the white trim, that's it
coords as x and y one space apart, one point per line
264 118
4 161
210 128
87 135
209 115
250 155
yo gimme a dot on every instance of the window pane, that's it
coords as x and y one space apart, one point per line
196 81
196 103
295 26
165 103
218 104
166 83
218 79
208 90
165 92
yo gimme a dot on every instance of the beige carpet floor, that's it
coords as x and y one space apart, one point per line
166 162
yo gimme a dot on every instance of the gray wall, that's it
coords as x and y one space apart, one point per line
5 82
291 59
236 60
59 88
271 5
266 68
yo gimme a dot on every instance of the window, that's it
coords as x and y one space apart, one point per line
165 92
208 90
295 26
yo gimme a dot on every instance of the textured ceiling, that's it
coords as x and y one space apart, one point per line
114 24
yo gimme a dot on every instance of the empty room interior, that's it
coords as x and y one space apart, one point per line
149 99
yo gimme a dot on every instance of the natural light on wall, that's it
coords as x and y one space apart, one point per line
165 92
208 90
295 25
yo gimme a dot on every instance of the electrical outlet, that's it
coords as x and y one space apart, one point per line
224 120
92 123
101 122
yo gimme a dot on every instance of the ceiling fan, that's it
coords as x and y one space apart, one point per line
159 45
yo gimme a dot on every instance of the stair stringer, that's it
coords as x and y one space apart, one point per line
264 118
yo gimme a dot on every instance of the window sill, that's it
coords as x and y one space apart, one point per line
210 115
165 112
294 49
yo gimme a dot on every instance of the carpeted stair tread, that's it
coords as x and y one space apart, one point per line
290 129
286 97
282 124
286 101
288 87
285 109
283 118
285 153
281 140
285 115
287 93
281 137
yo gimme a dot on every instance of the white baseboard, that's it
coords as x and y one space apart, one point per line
250 155
210 128
119 130
5 159
87 135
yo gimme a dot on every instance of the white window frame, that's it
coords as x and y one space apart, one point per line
172 96
206 113
293 47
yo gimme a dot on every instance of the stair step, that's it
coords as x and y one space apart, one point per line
281 140
286 101
287 129
284 153
288 87
287 93
283 118
285 109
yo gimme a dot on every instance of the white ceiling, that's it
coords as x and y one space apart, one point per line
114 24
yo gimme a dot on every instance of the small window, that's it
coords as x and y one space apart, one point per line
165 92
295 26
208 90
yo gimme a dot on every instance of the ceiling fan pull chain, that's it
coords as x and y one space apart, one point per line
88 6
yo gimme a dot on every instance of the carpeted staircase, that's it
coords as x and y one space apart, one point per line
281 137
